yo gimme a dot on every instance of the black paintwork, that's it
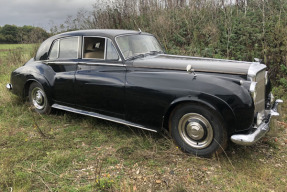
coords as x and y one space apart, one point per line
137 91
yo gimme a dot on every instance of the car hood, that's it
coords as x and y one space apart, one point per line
175 62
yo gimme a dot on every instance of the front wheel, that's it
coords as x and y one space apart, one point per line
198 130
38 99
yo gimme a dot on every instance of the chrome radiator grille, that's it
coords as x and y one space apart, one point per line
259 95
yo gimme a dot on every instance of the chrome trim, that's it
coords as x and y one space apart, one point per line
255 68
105 64
195 130
206 58
9 86
257 60
58 54
105 49
252 88
79 43
63 62
100 116
263 128
197 70
85 63
259 94
266 77
39 98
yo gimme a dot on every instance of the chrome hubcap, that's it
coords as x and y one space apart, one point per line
195 130
38 98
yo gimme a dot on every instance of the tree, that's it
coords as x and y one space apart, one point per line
10 32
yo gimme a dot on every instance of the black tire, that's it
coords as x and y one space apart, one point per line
38 98
198 130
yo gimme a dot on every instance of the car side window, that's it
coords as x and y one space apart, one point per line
94 48
65 48
55 50
69 48
112 53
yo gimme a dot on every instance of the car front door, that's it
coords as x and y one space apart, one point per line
100 78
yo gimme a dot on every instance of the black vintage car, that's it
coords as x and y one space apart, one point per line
125 77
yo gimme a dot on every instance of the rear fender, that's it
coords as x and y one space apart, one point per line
35 77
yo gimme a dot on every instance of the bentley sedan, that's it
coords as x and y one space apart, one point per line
124 76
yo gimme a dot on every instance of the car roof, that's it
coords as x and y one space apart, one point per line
42 53
110 33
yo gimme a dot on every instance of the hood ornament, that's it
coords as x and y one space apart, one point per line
189 69
257 60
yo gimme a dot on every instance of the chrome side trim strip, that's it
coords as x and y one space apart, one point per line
84 63
105 64
97 115
206 58
63 62
197 70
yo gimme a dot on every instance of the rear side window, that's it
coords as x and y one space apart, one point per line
69 48
54 51
66 48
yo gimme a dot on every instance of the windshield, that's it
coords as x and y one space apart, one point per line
135 45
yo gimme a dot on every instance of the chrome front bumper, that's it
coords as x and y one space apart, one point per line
9 86
261 130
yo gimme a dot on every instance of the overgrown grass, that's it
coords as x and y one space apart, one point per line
24 48
69 152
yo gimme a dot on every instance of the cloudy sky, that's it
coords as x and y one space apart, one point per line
40 12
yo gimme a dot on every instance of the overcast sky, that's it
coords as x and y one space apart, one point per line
40 12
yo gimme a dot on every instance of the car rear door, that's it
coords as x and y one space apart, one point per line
63 59
100 78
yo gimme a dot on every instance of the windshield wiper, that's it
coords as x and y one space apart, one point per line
136 56
144 54
155 52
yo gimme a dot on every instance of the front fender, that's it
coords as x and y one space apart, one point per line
215 103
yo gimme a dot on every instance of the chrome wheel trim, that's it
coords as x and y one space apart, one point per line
38 98
195 130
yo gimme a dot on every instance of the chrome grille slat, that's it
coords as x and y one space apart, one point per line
259 98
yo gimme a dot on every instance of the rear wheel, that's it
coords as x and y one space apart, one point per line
198 130
38 98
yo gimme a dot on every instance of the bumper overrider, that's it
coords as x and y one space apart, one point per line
262 129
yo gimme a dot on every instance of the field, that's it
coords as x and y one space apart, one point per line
6 48
69 152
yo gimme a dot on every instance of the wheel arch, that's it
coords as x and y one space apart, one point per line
43 82
222 109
